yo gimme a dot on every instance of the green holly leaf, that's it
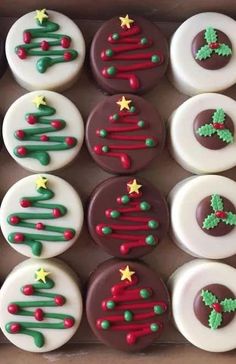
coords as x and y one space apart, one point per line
210 35
217 203
208 297
215 319
203 53
219 116
223 50
230 219
206 130
228 305
225 135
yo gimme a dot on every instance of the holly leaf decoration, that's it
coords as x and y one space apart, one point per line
217 203
210 222
203 53
206 130
223 50
228 305
210 35
225 135
215 319
219 116
230 219
208 298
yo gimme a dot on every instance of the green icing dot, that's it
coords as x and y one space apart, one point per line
144 293
141 124
105 149
128 316
111 71
106 230
150 240
150 142
132 109
110 305
155 58
103 133
154 327
144 206
109 52
115 117
144 40
115 36
115 214
125 199
153 224
105 325
158 310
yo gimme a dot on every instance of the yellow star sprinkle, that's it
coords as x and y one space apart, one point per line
41 182
41 274
134 186
40 15
124 103
39 100
126 21
126 274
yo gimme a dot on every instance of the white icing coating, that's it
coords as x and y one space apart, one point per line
66 284
185 147
15 120
64 194
57 77
187 234
185 73
184 284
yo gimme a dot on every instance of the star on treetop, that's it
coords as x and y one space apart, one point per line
126 274
124 103
41 15
126 21
39 100
41 274
134 187
41 182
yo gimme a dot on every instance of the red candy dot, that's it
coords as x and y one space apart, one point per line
39 314
130 338
56 124
56 212
70 141
97 149
13 308
68 322
68 234
214 45
108 213
26 37
124 249
217 307
44 138
218 126
221 214
25 203
39 226
14 220
21 52
67 56
14 328
20 134
18 238
28 290
65 42
22 151
59 300
31 119
44 45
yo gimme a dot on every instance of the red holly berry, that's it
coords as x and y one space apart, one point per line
14 220
214 45
39 226
25 203
124 249
31 119
65 42
221 214
39 314
130 338
26 37
217 307
44 45
56 213
67 56
68 322
20 134
28 290
44 138
56 124
59 300
68 234
21 52
13 308
70 141
18 238
22 151
15 328
218 126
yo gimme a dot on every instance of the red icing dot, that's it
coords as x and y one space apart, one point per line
118 200
25 203
68 322
98 149
22 151
108 213
70 141
214 45
26 37
39 226
18 238
68 234
65 42
39 314
124 249
31 119
14 220
56 124
13 308
67 56
44 138
221 214
15 328
130 338
28 290
20 134
59 300
21 52
218 126
56 212
217 307
44 45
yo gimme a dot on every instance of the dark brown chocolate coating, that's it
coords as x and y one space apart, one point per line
204 209
105 196
99 289
214 62
211 142
3 62
139 158
202 311
148 78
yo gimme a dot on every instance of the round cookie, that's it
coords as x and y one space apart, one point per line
202 54
127 305
3 62
202 133
127 217
124 133
41 216
41 305
203 216
45 50
204 304
43 131
128 54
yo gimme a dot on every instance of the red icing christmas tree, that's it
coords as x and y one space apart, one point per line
131 310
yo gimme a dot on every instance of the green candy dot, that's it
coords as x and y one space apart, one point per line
110 305
115 117
144 206
106 230
150 142
150 240
109 52
105 325
125 199
144 293
158 310
154 327
115 214
153 224
155 58
111 71
141 124
132 109
115 36
128 316
105 149
144 40
103 133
